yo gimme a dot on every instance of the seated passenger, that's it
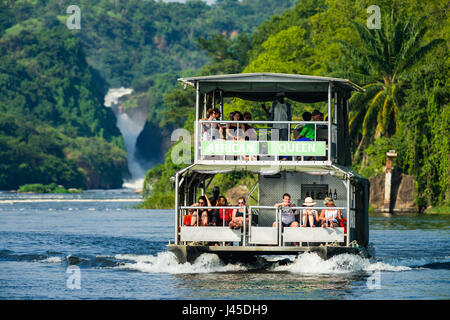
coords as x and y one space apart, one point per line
316 115
249 133
211 131
330 217
308 132
287 214
237 218
213 215
224 214
235 130
203 201
219 126
310 215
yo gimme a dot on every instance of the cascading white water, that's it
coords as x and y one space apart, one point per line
130 123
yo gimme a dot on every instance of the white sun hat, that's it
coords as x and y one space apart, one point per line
309 202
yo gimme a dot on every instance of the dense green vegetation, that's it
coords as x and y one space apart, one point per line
49 188
53 126
54 129
403 66
32 152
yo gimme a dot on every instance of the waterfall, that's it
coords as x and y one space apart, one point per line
130 122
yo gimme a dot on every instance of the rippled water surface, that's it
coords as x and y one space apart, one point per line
98 246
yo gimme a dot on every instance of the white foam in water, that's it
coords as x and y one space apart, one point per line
166 262
311 263
52 260
306 263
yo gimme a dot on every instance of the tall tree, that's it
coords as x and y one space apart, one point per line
382 62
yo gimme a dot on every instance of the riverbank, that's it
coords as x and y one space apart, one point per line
445 209
45 188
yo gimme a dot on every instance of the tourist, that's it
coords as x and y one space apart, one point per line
224 214
237 218
316 115
249 133
330 217
308 132
280 111
235 130
310 216
287 214
211 131
203 201
213 215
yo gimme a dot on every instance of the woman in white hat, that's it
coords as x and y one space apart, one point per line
330 217
309 215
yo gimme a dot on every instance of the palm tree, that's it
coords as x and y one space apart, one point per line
383 63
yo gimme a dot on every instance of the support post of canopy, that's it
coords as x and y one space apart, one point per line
176 208
329 120
205 101
348 210
221 104
335 107
279 222
197 108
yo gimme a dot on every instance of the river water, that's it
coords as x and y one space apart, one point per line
98 246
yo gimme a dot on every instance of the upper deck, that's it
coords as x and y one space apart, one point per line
268 142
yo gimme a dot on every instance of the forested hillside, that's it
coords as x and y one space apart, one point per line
54 127
403 67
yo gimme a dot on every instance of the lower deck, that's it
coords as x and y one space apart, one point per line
265 230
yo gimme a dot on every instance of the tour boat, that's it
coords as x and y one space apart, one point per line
316 168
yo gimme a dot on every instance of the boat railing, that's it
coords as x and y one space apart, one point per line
186 209
255 234
279 235
263 141
211 233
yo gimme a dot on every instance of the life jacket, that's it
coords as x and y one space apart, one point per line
344 224
228 214
187 219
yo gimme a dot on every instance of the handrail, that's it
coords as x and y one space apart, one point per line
278 218
217 207
317 208
261 207
262 122
257 134
248 210
212 207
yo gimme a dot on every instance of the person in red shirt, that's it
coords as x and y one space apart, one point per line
224 214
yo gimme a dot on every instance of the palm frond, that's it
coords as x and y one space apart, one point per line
420 53
372 112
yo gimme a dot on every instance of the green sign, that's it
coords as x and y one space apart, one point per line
233 148
296 148
271 148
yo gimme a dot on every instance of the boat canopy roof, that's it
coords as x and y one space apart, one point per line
266 86
338 171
